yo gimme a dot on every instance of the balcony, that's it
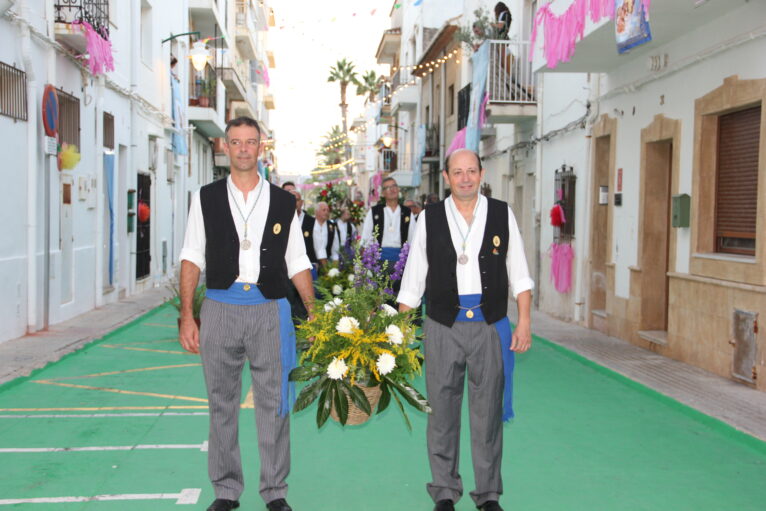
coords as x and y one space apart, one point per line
406 98
596 52
205 103
207 19
511 84
246 30
268 101
69 12
388 48
235 87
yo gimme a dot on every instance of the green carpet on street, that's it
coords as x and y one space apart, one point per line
584 439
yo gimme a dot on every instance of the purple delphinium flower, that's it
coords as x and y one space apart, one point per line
371 257
401 262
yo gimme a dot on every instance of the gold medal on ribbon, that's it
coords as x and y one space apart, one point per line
277 228
496 241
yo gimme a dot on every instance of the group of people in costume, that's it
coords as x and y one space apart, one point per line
258 249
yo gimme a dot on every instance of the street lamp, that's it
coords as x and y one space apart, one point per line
199 55
387 140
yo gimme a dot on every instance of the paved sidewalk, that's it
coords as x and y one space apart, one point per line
21 356
737 405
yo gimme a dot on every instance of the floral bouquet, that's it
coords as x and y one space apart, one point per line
361 351
357 210
334 279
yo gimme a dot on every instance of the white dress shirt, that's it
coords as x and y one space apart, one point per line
249 260
391 232
468 275
342 230
320 242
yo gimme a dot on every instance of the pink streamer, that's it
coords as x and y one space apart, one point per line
561 266
266 79
99 50
562 32
458 142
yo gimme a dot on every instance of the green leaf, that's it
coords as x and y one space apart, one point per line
385 396
341 403
305 373
358 398
401 409
412 396
325 404
308 394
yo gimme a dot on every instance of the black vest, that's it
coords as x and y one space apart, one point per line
442 302
378 218
332 228
222 241
307 226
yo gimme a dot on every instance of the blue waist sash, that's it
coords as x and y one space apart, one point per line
241 293
390 254
503 328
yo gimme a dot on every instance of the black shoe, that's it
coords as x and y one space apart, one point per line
445 505
223 505
490 505
278 505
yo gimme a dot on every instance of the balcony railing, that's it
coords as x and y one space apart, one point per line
203 89
95 12
510 78
388 160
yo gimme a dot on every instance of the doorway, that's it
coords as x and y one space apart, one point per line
600 245
143 229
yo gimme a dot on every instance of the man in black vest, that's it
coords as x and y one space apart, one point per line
306 222
326 239
244 232
466 253
395 223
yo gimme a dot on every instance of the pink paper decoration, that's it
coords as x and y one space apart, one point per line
561 266
563 31
99 49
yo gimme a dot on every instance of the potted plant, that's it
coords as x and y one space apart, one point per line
199 297
359 351
207 91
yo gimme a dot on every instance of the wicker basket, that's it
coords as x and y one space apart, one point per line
355 415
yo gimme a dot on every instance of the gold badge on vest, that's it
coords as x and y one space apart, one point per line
305 234
496 241
277 228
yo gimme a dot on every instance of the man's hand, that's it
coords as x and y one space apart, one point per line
189 334
522 338
322 262
404 307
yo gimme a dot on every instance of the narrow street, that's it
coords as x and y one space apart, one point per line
122 425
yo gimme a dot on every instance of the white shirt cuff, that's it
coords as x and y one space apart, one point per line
298 265
188 254
408 299
522 285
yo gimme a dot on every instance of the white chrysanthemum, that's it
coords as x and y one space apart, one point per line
334 272
395 335
386 363
388 310
346 325
337 369
337 289
351 278
332 304
337 301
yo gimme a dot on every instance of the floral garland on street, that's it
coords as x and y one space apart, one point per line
357 341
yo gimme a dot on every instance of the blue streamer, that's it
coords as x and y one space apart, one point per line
505 332
237 295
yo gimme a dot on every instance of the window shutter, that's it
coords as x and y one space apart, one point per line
737 180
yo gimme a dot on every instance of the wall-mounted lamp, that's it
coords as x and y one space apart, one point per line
199 55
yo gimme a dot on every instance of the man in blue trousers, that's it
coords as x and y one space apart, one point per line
466 254
244 232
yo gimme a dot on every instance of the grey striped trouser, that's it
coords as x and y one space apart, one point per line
449 352
231 334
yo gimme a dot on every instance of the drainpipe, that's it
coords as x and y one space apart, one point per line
99 165
442 122
135 52
32 149
582 246
538 187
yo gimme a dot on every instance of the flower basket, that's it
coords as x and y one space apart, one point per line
360 354
356 415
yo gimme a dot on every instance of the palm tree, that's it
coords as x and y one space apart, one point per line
343 73
331 152
369 85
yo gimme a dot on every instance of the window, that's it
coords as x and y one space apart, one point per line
108 130
451 99
13 92
463 106
146 32
69 118
565 197
737 181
